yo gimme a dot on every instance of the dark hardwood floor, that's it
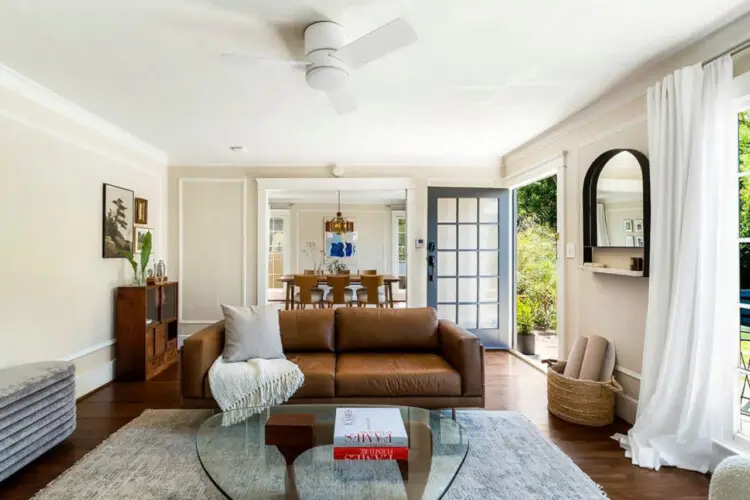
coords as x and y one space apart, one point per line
511 385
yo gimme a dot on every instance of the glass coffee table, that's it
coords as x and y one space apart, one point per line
287 452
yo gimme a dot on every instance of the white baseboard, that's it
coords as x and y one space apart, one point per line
626 407
92 379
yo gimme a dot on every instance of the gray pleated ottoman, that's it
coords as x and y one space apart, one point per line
37 411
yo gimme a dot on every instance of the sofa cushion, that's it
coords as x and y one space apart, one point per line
319 370
395 374
363 329
307 330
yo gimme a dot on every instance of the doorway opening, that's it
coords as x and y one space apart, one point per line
536 262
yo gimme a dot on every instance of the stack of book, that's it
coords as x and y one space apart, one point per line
370 434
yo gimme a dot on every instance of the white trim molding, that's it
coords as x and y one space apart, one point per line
91 380
629 373
90 350
181 232
536 172
34 92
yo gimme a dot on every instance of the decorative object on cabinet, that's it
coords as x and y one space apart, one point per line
616 201
145 242
146 330
117 221
141 211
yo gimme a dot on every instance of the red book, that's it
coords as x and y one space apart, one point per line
371 453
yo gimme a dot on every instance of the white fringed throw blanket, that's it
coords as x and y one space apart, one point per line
249 388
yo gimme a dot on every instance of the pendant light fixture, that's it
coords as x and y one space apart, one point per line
338 224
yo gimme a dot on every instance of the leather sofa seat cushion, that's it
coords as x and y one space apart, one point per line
307 330
395 374
395 330
319 370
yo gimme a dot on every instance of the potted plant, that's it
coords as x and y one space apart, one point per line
139 280
526 340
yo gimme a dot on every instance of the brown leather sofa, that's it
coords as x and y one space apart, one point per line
360 356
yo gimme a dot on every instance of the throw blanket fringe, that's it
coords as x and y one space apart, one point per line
246 389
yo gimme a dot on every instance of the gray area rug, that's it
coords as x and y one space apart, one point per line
154 457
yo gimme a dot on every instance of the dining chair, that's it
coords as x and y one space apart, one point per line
339 294
308 293
368 272
370 293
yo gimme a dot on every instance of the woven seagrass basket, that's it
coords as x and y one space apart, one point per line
584 402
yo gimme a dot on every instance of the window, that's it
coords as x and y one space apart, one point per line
399 247
743 125
277 249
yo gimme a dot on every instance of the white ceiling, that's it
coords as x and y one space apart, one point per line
152 67
384 197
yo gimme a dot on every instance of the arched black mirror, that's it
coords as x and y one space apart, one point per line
617 205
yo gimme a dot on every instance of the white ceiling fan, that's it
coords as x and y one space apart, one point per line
330 56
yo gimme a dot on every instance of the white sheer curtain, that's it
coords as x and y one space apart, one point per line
687 384
602 226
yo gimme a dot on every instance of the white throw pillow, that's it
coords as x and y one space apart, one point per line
252 332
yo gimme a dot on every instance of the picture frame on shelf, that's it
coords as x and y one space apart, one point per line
639 241
141 211
629 241
627 225
117 221
138 233
639 225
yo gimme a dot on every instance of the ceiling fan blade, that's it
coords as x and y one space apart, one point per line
343 100
253 60
376 44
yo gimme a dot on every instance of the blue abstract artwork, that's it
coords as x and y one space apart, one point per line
341 246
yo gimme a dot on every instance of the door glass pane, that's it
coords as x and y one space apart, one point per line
487 289
446 208
488 263
446 239
467 210
488 316
467 263
467 237
488 237
446 290
446 264
467 289
467 316
488 210
446 311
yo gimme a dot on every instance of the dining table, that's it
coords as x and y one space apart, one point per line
356 279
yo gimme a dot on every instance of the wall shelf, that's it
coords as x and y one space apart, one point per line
612 270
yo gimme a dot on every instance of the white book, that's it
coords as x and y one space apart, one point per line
366 427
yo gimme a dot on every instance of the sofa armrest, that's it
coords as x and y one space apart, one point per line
464 352
198 353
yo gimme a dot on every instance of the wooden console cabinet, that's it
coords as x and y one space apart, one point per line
146 330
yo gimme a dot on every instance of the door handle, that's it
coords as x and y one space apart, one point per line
430 267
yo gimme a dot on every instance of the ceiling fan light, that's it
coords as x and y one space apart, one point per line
326 78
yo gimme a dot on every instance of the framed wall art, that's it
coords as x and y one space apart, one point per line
117 221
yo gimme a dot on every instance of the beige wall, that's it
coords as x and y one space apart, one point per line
56 292
371 222
611 306
422 178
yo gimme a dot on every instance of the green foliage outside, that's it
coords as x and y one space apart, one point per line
536 241
743 127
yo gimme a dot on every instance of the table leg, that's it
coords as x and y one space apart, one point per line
389 294
289 295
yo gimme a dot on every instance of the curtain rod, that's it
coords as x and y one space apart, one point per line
733 50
